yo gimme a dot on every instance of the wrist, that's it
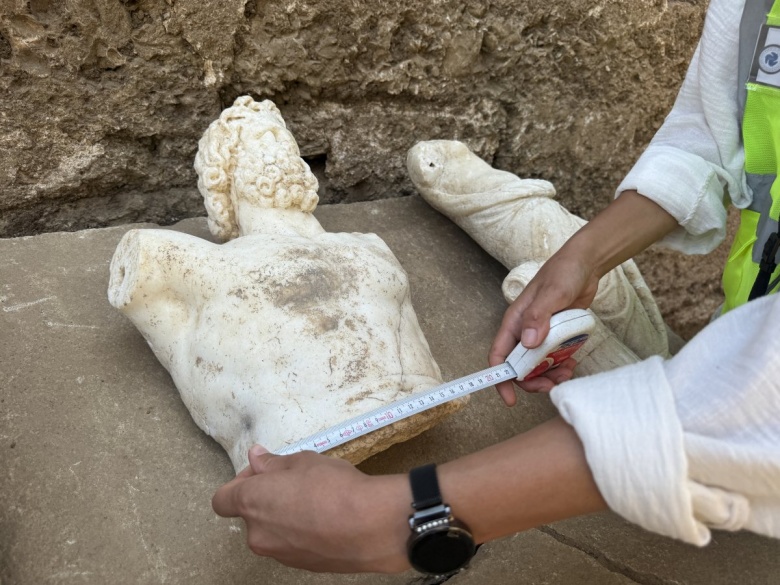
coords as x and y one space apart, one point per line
585 253
628 225
439 543
385 507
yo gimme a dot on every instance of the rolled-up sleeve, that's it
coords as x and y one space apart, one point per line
693 443
696 157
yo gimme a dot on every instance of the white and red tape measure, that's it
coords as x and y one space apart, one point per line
568 331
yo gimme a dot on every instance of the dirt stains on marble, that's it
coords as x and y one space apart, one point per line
209 366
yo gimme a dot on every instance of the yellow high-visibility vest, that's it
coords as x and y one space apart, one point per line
752 268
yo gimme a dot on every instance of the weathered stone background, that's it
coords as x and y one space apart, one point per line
104 100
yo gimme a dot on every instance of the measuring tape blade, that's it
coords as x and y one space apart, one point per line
568 332
399 410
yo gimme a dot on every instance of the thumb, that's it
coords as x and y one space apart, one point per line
535 322
260 458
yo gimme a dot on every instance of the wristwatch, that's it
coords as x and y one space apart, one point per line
439 544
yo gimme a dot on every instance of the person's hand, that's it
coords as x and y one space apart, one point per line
565 281
318 513
570 278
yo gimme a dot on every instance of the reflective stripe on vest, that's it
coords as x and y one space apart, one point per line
759 101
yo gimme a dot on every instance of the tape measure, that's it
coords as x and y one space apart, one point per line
568 331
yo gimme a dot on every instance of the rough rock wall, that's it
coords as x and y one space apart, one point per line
104 100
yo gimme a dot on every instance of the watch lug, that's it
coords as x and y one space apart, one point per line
421 517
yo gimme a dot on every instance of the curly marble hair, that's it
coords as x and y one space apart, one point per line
248 154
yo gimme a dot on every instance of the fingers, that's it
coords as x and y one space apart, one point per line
245 473
514 330
507 392
538 384
543 383
261 460
535 324
533 321
503 344
551 378
563 372
558 285
226 502
526 321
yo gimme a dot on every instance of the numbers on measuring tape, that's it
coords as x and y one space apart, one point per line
573 325
383 416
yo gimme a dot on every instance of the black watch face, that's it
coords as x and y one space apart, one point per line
441 551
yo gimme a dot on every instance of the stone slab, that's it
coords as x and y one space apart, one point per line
106 479
534 557
735 558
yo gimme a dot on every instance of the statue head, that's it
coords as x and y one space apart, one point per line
248 155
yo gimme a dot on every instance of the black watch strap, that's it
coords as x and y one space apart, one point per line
439 544
425 487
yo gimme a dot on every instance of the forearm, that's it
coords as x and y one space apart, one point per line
624 228
532 479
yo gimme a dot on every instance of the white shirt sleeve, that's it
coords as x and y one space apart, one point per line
692 443
696 156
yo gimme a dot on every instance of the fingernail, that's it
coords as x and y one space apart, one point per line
528 337
256 450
